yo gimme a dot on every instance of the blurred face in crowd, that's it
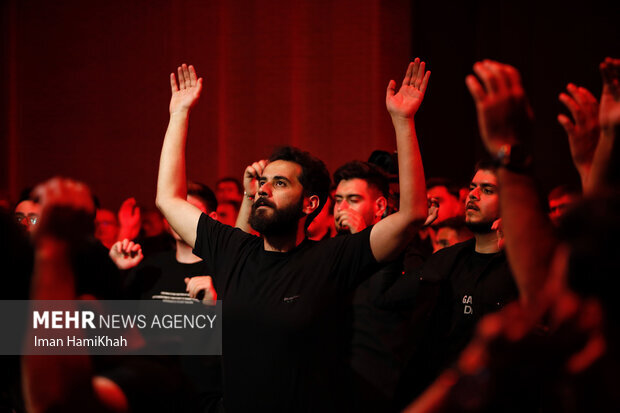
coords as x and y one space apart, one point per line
558 206
27 214
446 237
152 224
482 207
228 191
106 227
357 205
227 213
449 206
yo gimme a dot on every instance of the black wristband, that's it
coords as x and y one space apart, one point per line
514 158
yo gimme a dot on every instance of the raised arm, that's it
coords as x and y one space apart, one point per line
605 164
390 235
171 181
504 118
583 132
63 382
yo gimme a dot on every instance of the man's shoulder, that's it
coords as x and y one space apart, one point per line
454 250
360 238
440 263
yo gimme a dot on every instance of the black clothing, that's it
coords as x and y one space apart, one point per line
283 339
161 277
454 289
471 285
154 245
378 343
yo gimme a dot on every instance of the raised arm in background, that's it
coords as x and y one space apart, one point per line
172 182
390 235
504 119
605 171
583 133
63 382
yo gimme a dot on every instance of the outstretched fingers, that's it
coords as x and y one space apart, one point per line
173 83
391 89
416 71
573 107
408 75
486 76
566 123
475 88
419 76
193 78
181 78
424 83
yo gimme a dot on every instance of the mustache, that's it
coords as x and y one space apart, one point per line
262 202
471 205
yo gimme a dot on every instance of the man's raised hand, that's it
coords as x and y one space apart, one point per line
583 133
126 254
251 175
186 92
407 101
504 116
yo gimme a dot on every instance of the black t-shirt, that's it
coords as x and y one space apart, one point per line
161 277
282 326
470 285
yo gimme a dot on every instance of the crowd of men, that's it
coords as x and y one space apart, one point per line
374 289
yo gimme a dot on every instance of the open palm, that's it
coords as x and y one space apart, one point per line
407 101
185 94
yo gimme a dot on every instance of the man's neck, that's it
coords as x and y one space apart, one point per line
487 243
285 242
184 254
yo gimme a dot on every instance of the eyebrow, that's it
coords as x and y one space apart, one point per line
348 195
277 177
483 185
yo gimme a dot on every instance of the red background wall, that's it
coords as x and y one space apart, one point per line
90 85
86 82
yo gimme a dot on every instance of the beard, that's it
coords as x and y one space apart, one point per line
480 227
281 221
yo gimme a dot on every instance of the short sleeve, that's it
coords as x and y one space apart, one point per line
216 242
352 258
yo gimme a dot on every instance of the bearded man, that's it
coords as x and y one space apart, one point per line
280 292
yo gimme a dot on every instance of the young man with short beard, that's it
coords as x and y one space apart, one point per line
469 280
280 292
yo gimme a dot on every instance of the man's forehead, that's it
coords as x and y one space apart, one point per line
287 169
355 186
27 207
439 191
484 177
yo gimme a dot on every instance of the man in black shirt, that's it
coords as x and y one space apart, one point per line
280 291
466 280
379 339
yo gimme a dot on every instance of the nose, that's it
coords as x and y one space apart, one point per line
474 194
264 189
342 205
